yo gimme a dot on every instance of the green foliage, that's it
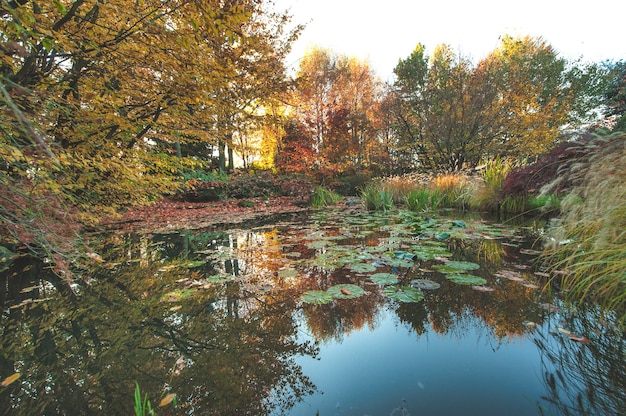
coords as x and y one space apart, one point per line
143 407
322 197
376 198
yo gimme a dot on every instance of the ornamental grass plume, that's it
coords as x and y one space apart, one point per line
589 238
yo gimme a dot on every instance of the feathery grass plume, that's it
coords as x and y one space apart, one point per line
493 173
589 239
450 188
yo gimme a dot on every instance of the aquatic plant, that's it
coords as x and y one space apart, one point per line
322 197
143 407
376 198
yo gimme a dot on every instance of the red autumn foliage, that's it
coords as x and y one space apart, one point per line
531 178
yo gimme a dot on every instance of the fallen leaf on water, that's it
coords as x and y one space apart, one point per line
167 399
530 324
345 291
549 307
29 289
582 340
483 288
10 379
530 285
564 331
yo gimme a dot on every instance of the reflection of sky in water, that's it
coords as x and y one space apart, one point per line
391 370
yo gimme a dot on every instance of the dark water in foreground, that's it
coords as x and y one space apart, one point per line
335 313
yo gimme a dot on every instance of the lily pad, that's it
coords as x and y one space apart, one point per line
362 268
426 253
466 279
346 291
404 255
384 278
462 265
458 224
405 294
192 264
286 273
219 278
456 266
316 297
176 295
425 284
316 244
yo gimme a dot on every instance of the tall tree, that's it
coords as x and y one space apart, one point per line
447 107
334 97
516 101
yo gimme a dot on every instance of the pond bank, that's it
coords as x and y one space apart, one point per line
168 215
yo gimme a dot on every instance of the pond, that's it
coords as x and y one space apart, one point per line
333 312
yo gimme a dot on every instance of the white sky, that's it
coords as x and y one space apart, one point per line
384 31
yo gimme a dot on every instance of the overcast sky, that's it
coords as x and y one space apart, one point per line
383 31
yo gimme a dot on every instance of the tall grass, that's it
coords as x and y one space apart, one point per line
487 195
417 192
376 198
589 240
322 197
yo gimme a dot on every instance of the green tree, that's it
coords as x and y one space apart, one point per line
446 108
518 101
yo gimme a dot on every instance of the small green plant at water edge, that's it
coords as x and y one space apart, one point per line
375 198
143 407
322 197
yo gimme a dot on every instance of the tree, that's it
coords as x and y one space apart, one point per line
446 108
615 93
534 93
334 98
516 102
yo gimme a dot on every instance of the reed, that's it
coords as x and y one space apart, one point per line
376 198
323 197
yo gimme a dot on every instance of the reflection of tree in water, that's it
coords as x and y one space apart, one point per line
583 380
83 356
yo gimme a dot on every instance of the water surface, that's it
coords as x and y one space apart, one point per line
222 319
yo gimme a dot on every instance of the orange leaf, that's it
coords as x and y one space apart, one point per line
10 379
346 291
167 399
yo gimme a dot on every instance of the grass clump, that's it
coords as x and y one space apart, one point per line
322 197
376 198
589 239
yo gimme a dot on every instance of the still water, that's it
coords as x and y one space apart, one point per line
335 312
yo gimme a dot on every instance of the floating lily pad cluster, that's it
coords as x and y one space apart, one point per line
456 271
343 291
